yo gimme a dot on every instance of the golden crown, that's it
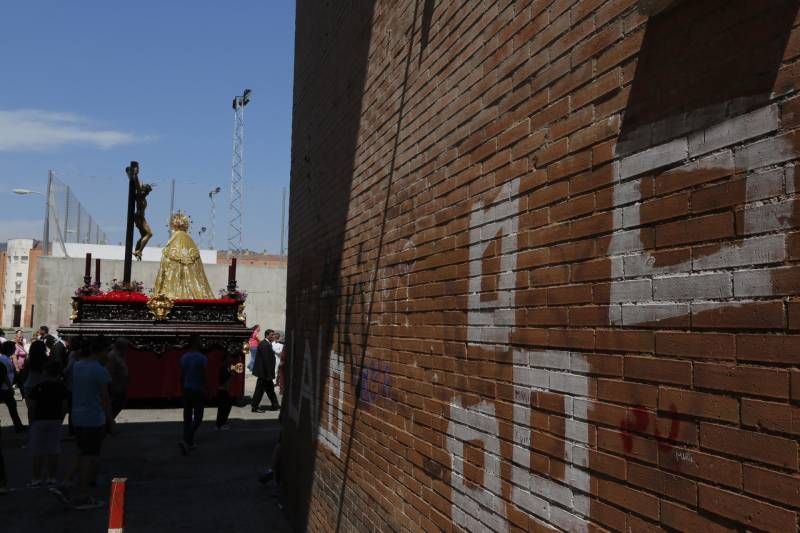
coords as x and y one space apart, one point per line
180 221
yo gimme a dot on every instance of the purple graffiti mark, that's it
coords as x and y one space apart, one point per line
375 382
637 420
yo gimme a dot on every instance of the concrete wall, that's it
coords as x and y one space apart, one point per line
114 251
58 277
544 266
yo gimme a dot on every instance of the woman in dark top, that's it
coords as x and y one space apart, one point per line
47 402
33 371
224 399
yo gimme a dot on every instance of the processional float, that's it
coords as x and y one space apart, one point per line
157 327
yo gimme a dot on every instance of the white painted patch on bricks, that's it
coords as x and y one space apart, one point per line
767 152
633 314
659 156
330 429
636 290
308 392
750 283
734 131
482 504
481 508
768 217
644 264
755 219
693 287
752 251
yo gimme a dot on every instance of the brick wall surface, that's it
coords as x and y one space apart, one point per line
544 266
30 286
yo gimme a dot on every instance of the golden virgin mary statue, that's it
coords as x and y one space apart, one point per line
181 274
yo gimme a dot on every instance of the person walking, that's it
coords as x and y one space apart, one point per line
264 370
33 371
78 347
193 381
6 388
48 405
56 349
20 354
224 398
277 347
91 415
120 378
4 488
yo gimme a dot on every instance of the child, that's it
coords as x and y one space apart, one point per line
224 399
48 405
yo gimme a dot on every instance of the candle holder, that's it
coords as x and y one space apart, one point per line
232 276
87 271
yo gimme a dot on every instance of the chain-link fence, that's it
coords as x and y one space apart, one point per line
69 220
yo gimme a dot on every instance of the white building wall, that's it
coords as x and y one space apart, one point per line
15 286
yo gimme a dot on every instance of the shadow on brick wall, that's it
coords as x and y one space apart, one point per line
332 45
701 63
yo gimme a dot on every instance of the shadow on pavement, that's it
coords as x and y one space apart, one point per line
214 489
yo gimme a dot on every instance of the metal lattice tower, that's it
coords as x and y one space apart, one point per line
237 172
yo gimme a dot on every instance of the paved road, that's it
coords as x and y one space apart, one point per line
215 489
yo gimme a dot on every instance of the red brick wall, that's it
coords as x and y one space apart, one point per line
30 289
543 266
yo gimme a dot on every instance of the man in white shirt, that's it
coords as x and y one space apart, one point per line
277 347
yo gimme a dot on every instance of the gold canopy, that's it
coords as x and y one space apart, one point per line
181 274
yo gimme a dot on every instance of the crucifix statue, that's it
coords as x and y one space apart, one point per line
137 203
141 190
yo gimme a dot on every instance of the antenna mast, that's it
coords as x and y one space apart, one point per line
237 172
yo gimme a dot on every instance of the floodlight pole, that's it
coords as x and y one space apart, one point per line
237 173
46 229
211 195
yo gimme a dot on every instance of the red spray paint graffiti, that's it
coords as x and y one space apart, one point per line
638 420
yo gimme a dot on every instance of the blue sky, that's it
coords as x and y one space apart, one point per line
86 87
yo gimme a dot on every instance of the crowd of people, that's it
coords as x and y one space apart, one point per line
86 381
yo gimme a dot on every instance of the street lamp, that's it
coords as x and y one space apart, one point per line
26 191
211 196
46 228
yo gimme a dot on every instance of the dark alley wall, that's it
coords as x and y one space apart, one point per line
544 266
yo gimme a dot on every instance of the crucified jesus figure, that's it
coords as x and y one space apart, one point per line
140 195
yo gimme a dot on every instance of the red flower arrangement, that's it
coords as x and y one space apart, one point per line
236 295
118 296
119 286
92 289
117 292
